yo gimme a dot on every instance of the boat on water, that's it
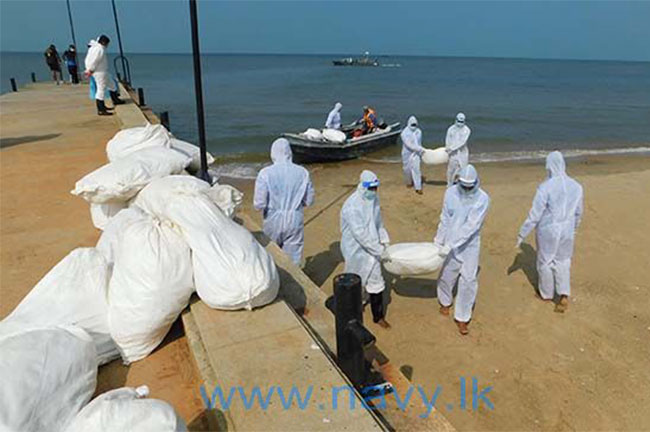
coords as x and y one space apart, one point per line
308 148
364 60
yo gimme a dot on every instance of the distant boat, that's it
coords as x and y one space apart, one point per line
364 60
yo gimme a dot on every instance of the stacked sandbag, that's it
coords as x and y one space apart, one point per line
414 258
74 292
127 409
228 198
334 135
231 269
150 285
313 134
46 376
101 213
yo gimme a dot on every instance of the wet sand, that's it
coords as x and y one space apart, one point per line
586 369
50 138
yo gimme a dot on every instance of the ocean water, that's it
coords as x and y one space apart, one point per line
515 107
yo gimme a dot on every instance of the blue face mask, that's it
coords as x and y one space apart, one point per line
369 195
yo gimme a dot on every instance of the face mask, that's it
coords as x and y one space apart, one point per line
369 195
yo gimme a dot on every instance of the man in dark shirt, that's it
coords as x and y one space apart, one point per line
70 58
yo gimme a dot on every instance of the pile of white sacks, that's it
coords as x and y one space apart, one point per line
165 235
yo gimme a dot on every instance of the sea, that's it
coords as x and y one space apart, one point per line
517 108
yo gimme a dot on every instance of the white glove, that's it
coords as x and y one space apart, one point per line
444 251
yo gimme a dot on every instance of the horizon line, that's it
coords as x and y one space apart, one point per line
353 55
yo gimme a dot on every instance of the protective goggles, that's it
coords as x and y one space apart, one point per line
370 183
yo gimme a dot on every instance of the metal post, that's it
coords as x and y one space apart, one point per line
74 40
33 77
198 91
141 102
351 336
119 41
164 119
13 85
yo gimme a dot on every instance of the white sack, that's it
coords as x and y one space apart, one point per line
74 292
231 269
101 213
130 140
313 134
46 376
334 135
191 151
228 198
107 243
127 409
415 258
435 156
150 285
122 179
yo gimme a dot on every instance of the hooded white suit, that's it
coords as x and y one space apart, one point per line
282 190
412 151
334 118
456 146
459 230
97 63
363 236
556 214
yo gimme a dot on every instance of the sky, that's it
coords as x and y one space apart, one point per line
586 30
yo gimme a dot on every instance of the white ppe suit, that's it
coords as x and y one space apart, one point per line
97 64
412 151
461 220
334 118
363 236
456 146
282 190
556 214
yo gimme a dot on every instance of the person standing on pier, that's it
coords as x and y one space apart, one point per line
97 66
53 61
282 191
363 241
70 58
456 147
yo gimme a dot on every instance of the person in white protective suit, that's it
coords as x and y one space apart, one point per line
282 190
556 215
456 147
334 118
412 151
459 240
363 241
96 64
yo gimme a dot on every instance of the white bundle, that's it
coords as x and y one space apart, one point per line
150 285
47 376
313 134
191 151
74 292
127 409
128 141
414 258
231 269
101 213
334 135
435 156
122 179
228 198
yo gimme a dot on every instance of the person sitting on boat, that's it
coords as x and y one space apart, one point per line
334 118
368 122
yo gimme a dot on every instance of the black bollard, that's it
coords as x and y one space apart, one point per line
33 77
13 85
351 336
141 97
164 119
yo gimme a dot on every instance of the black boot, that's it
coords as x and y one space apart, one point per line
101 108
116 99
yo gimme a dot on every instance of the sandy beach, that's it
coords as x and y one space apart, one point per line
582 370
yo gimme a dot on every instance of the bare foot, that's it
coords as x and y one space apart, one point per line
562 305
419 191
444 310
462 328
384 324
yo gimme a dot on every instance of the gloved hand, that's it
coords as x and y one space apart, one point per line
519 241
444 251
